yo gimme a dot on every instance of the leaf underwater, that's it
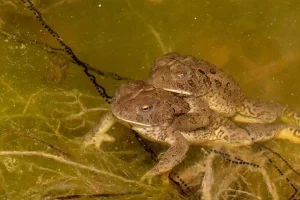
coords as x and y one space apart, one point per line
43 121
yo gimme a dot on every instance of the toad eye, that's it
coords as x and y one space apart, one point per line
146 109
181 75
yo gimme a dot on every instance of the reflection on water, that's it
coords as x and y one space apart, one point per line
256 43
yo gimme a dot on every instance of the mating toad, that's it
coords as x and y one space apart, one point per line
189 76
163 117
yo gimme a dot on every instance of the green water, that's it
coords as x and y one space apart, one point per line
257 42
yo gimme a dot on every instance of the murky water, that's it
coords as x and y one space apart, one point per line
47 103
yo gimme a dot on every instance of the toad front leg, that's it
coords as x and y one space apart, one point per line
173 156
98 133
198 116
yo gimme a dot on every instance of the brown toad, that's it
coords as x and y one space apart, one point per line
189 76
161 116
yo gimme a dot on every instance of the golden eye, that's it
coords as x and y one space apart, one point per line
145 110
180 75
146 107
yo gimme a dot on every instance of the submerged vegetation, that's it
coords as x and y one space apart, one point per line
48 103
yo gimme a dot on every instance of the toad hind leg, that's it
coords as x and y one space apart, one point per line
173 156
291 117
290 133
254 111
263 132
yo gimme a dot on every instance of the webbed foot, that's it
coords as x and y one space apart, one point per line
291 117
147 178
97 141
290 133
97 134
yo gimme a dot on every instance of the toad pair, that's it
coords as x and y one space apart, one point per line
188 101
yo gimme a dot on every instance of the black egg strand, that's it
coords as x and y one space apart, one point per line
287 179
283 159
53 50
279 170
180 183
234 160
101 90
145 146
